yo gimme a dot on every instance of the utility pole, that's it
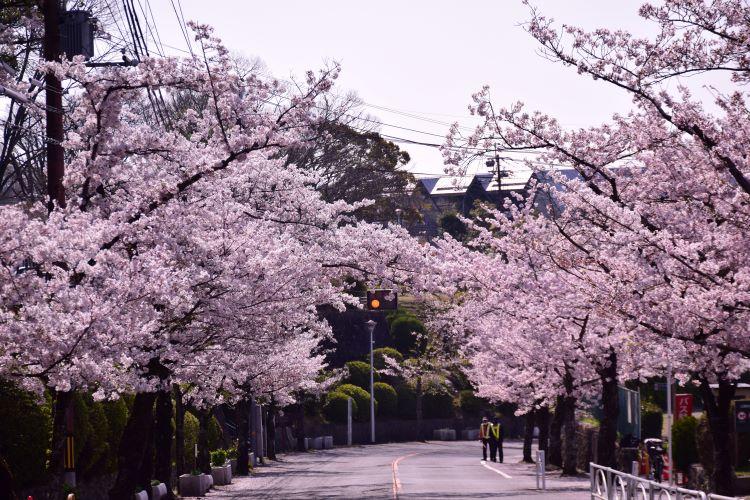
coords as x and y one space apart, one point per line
55 172
371 328
53 93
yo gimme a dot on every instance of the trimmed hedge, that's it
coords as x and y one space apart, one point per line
407 400
437 404
387 399
359 374
469 404
335 407
361 397
404 330
379 359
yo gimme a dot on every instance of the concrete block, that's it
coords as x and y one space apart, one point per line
159 491
192 486
222 475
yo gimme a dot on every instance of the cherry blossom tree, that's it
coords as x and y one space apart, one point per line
660 204
190 256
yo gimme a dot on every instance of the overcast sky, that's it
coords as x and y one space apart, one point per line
423 57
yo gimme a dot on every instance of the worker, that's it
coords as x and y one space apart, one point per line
484 436
496 441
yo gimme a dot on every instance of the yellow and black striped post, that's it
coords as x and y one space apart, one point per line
69 459
69 462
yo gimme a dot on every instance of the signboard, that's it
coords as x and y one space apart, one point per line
683 406
742 416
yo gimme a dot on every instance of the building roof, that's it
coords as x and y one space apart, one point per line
514 180
458 184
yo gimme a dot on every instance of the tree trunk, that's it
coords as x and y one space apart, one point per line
569 438
271 431
720 424
163 440
7 484
55 465
606 450
419 409
204 458
542 417
146 472
133 446
179 432
300 427
242 411
555 434
528 436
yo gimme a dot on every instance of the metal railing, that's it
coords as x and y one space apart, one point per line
611 484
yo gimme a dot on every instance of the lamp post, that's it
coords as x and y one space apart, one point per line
398 215
371 328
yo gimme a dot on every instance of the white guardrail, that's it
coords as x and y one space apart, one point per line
611 484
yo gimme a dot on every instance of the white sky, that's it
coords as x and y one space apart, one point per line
423 57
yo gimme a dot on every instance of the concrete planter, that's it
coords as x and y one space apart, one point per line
159 491
317 443
193 486
141 495
444 434
470 434
327 442
222 475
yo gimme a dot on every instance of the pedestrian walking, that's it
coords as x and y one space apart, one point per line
484 436
496 441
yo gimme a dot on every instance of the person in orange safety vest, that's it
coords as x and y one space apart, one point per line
484 436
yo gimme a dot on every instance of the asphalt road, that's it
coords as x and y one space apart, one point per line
451 470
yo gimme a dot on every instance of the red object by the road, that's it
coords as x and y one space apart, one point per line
683 405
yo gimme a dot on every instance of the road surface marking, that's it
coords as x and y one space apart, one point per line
394 469
484 464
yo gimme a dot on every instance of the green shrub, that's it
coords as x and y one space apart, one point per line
451 224
407 400
387 399
335 407
404 330
437 403
684 435
359 374
651 420
469 404
24 433
214 434
218 458
191 439
117 416
97 453
379 356
361 397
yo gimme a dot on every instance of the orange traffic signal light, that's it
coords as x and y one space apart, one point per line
382 300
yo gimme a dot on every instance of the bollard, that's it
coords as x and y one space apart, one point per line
349 421
634 468
541 470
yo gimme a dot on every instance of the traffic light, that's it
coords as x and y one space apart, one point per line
382 300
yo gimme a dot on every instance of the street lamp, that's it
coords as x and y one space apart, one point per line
371 328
